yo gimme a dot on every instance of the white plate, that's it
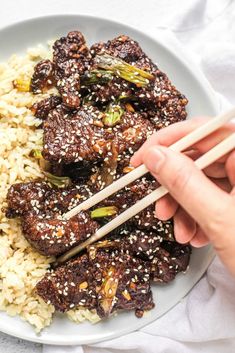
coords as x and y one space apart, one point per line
188 79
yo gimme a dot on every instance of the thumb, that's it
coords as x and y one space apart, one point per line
202 200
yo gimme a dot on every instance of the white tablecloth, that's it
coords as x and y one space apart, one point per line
205 320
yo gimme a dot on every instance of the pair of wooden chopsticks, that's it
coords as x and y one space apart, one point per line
204 161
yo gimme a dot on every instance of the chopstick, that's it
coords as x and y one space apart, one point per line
204 161
179 146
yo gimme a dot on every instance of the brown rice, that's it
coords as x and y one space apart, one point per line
21 267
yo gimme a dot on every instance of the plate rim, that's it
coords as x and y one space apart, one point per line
199 75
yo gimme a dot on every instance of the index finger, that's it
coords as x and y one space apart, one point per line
167 137
175 132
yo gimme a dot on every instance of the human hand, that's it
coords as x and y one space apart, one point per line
202 203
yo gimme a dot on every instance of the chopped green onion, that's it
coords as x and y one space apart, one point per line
123 96
104 212
88 100
124 70
36 154
108 290
113 115
55 180
96 76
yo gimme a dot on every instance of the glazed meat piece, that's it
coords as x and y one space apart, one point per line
171 259
40 208
146 219
165 103
71 58
132 131
72 137
38 198
126 49
42 108
68 53
81 136
108 282
23 198
69 286
134 242
127 137
166 258
180 254
43 76
102 94
54 236
141 243
117 163
129 280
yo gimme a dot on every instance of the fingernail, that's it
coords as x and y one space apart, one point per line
155 157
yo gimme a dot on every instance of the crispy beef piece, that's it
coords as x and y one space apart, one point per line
71 58
42 108
70 285
135 242
171 259
126 49
126 137
131 194
23 197
146 219
60 201
69 90
165 103
129 280
171 112
70 138
39 199
180 254
71 47
109 282
54 236
43 76
41 207
141 243
123 163
110 91
78 136
166 258
132 132
118 155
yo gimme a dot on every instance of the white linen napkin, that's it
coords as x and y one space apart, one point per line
204 321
